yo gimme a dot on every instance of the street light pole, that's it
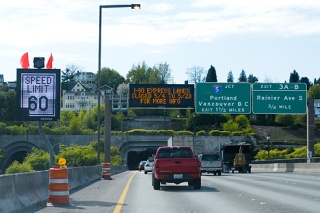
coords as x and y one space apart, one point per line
268 139
133 6
194 130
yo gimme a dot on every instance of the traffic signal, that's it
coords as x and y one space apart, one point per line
38 62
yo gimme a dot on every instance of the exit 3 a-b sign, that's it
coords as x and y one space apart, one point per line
38 94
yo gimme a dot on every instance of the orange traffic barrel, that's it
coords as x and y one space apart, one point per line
58 192
106 171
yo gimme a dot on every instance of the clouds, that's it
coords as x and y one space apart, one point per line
159 28
198 21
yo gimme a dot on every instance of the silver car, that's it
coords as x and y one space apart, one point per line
148 166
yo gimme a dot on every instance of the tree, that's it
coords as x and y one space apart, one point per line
243 77
316 81
163 70
109 77
230 126
314 92
307 81
17 167
123 88
8 106
294 77
140 74
252 79
242 121
68 75
195 74
268 79
230 77
212 75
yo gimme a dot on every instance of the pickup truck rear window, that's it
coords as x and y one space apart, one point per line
174 153
210 157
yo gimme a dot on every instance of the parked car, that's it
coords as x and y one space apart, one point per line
141 165
148 166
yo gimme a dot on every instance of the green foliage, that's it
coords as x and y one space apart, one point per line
314 92
243 77
252 79
237 133
77 155
32 129
214 133
143 74
183 132
75 127
261 155
150 132
230 77
230 126
17 167
110 77
201 133
2 154
306 81
68 75
3 129
242 121
285 120
294 77
287 153
8 106
301 120
38 159
298 153
116 159
225 133
211 75
16 130
66 117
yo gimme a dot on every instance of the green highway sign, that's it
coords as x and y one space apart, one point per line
223 98
279 98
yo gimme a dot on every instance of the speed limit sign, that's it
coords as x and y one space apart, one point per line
38 94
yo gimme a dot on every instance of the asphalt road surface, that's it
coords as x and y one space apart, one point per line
132 191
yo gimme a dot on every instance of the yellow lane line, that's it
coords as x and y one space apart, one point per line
120 202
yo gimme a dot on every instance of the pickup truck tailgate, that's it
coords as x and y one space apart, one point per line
183 166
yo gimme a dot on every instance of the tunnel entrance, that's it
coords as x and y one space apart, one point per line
17 156
134 157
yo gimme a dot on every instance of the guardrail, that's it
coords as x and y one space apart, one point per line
23 190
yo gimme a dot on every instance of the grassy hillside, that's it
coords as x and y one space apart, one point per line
282 134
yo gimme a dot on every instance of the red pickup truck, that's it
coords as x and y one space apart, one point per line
176 164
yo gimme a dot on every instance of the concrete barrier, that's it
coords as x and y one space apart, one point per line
18 191
23 190
287 167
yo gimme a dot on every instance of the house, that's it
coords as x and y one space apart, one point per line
78 97
86 78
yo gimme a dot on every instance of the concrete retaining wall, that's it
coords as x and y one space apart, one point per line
19 191
287 167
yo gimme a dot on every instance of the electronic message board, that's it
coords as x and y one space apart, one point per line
161 96
38 94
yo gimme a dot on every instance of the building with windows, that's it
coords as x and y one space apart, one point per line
78 97
86 78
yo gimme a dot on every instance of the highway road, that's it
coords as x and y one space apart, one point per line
132 191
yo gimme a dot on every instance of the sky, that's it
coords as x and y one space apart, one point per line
268 39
